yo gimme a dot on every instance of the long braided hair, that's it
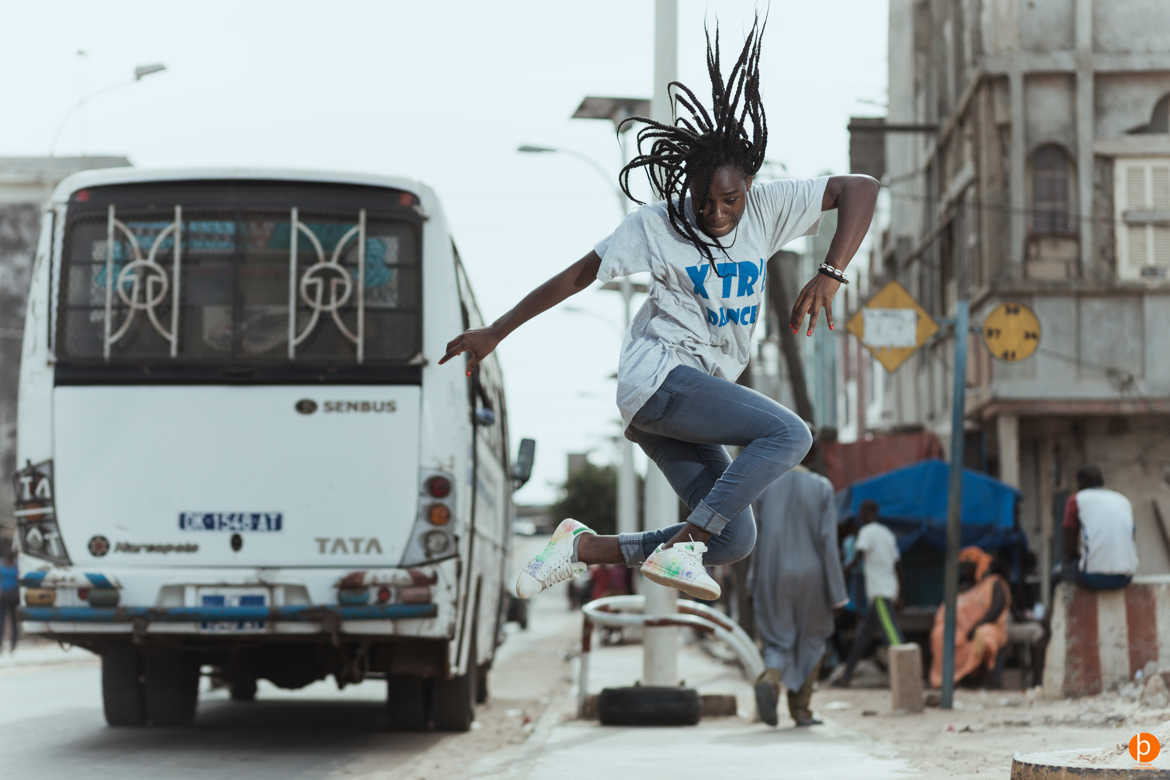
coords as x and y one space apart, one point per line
684 156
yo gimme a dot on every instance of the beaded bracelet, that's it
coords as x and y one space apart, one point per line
833 273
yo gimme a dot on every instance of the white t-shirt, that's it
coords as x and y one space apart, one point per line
881 553
1107 543
693 316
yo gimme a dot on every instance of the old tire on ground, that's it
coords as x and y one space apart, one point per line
407 701
243 689
171 680
649 705
455 698
122 696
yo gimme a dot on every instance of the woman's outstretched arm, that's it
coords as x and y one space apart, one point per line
481 341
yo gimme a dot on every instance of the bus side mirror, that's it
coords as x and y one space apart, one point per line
522 468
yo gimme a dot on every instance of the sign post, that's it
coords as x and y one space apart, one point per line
954 505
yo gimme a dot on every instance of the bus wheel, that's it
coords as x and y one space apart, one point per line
122 687
243 689
406 702
455 698
481 683
172 687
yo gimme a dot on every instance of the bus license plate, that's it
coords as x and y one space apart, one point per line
232 600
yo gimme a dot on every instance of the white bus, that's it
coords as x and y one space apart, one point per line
236 451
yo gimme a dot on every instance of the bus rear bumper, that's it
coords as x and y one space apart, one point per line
217 604
310 614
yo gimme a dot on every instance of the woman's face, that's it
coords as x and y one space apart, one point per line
722 208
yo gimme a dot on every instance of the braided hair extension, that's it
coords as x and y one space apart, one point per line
698 143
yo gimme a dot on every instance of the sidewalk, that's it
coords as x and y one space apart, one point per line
566 748
41 652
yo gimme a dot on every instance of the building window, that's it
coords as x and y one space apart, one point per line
1142 202
1052 179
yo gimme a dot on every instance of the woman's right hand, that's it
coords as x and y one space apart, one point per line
479 342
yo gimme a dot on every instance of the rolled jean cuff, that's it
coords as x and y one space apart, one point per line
631 547
708 519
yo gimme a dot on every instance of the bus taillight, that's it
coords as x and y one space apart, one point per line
438 514
438 487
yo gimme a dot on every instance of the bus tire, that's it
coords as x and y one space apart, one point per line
243 689
172 687
455 698
406 702
122 695
481 683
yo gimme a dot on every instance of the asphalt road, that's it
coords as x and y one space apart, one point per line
51 723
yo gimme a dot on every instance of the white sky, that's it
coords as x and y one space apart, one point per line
442 91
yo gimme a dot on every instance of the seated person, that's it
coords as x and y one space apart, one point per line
981 613
1099 545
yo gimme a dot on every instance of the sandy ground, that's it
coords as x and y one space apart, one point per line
979 736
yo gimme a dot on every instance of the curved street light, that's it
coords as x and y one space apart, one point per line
538 149
140 72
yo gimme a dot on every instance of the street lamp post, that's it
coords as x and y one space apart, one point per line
627 508
140 72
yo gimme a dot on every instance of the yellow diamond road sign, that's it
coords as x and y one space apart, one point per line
892 325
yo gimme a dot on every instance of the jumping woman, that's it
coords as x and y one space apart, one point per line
705 245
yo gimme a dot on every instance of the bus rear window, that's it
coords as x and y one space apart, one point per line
227 281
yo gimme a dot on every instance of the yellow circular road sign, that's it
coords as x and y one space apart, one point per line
1011 332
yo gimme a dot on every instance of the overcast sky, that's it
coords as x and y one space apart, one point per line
444 92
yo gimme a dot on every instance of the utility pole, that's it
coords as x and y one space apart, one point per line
955 497
660 644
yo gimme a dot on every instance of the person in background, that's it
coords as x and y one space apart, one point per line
981 613
845 619
1099 534
796 584
877 549
9 599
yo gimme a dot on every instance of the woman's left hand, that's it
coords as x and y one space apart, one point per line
816 295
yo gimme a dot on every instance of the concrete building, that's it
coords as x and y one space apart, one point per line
1039 173
25 185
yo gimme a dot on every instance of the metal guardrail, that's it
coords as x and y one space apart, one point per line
617 611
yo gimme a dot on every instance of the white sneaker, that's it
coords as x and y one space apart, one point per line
554 563
681 567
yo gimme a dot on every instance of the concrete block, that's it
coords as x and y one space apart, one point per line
1100 639
906 677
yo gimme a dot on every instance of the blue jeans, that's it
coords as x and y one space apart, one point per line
682 429
1102 581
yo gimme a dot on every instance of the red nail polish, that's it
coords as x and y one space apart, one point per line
830 327
809 332
469 373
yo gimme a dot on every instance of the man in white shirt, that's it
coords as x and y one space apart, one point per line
1098 534
877 548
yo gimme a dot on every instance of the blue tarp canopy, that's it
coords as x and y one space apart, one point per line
913 502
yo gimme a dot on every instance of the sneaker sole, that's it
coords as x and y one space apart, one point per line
691 589
766 702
